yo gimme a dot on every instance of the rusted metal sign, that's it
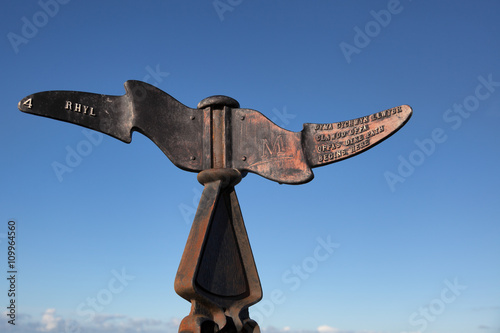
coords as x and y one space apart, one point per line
222 142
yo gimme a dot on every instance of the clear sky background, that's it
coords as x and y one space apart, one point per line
415 219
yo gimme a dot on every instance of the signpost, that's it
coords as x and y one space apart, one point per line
222 143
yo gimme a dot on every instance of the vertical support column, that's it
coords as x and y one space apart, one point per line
217 273
217 131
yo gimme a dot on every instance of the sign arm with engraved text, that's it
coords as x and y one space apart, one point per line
333 142
287 157
171 125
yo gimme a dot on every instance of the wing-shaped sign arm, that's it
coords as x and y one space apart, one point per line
264 148
328 143
172 126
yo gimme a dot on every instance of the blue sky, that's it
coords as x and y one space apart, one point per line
414 220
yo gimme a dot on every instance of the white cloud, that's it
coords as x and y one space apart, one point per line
100 319
49 321
327 329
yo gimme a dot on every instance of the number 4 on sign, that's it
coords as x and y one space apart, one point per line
28 103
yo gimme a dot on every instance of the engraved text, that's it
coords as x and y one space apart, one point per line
80 108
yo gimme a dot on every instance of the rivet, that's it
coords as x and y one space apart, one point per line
193 158
242 117
192 117
244 158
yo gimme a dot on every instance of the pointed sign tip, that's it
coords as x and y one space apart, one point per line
25 104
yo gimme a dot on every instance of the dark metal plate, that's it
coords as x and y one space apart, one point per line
175 128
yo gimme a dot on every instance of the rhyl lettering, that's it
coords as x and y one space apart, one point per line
80 108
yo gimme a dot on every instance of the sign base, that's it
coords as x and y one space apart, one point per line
217 273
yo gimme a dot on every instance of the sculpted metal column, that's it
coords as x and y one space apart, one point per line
217 273
221 142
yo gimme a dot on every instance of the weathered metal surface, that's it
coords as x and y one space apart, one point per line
217 273
218 134
328 143
175 128
264 148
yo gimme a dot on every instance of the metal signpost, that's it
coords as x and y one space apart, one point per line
222 143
